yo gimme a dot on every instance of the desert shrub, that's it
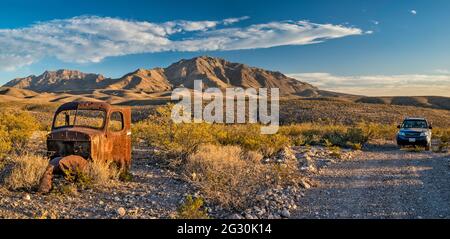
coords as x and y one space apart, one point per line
46 214
66 189
192 209
97 173
125 176
177 140
313 134
101 172
299 140
253 156
23 172
180 140
335 137
5 143
219 171
78 178
378 131
316 134
336 152
249 138
443 135
231 177
16 128
354 146
356 136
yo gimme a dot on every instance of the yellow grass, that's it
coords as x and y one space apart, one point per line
23 172
231 177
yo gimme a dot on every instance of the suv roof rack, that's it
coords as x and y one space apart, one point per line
414 118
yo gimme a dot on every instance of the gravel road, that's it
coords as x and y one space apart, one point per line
382 182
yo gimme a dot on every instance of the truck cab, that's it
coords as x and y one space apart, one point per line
93 131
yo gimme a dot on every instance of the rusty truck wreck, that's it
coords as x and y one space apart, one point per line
87 131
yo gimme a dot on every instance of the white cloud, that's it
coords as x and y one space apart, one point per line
91 39
375 22
230 21
11 62
413 12
381 85
276 34
442 71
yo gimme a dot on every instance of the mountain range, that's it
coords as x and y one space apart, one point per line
214 72
147 86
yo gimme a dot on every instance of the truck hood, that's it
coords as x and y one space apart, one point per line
74 134
414 130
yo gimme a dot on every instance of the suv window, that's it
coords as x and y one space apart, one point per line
415 124
115 122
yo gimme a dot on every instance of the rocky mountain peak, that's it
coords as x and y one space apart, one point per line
214 72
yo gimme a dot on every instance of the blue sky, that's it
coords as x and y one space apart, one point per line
365 47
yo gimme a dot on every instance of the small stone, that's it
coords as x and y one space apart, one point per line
308 158
249 216
261 212
285 213
304 184
101 202
27 197
235 216
121 211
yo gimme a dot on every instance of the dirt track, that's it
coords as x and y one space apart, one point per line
382 182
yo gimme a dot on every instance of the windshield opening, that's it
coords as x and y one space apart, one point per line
414 124
80 118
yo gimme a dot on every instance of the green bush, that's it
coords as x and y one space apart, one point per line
315 134
192 209
335 137
249 138
356 136
16 129
176 140
378 131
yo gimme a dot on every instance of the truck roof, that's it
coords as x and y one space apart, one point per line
415 118
87 105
